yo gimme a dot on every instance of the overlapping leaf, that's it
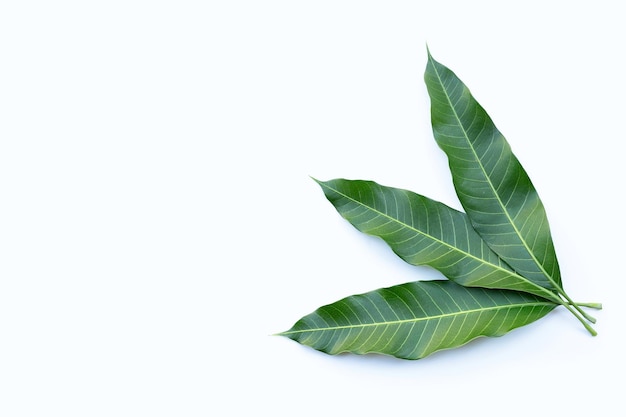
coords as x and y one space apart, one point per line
499 257
491 184
493 187
425 232
413 320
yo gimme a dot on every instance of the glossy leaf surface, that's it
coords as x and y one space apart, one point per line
425 232
413 320
493 187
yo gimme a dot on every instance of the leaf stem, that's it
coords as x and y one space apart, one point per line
596 306
568 303
576 306
575 313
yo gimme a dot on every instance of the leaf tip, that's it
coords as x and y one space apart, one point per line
283 333
319 182
431 60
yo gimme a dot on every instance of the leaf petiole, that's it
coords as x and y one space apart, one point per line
583 321
595 306
576 306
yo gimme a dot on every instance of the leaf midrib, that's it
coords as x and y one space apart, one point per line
418 319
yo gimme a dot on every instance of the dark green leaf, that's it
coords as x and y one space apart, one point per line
499 257
492 185
425 232
413 320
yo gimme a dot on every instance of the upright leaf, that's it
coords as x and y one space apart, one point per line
411 321
492 185
425 232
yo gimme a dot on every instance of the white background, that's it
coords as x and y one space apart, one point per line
158 222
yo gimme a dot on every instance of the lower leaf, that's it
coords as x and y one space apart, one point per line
413 320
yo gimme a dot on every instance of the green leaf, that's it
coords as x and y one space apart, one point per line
493 187
413 320
499 257
425 232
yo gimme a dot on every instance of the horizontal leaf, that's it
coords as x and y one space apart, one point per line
425 232
413 320
493 187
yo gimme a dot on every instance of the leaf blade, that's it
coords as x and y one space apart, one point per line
416 319
493 187
422 231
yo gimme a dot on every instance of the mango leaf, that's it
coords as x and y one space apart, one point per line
499 257
493 187
413 320
425 232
